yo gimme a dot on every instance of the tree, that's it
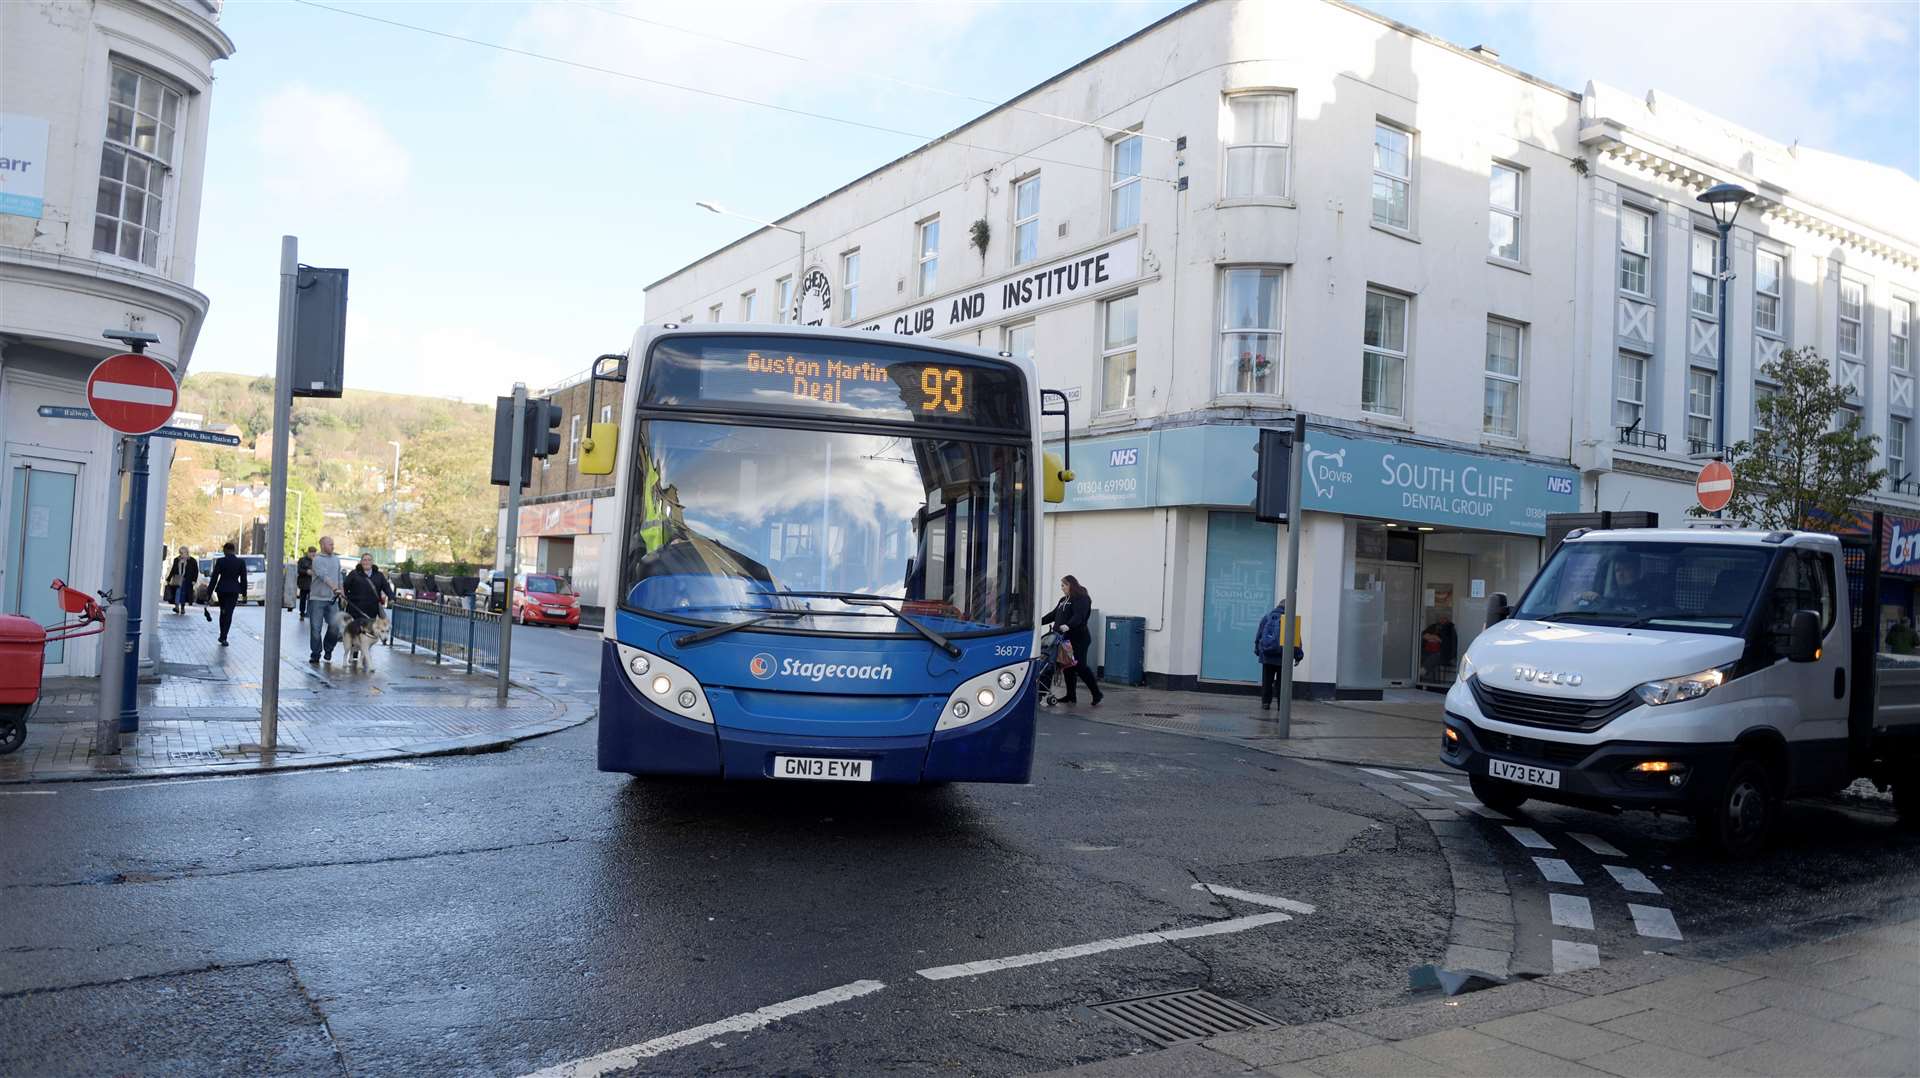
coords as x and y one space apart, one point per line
447 508
1807 463
303 530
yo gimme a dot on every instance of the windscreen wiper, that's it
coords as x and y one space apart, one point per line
861 599
722 630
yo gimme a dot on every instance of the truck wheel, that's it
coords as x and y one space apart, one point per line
1496 795
13 733
1740 819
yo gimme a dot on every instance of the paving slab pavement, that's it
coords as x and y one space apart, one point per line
200 712
1403 731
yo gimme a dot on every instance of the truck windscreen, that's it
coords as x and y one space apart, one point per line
1682 587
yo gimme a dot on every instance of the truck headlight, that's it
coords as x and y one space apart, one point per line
1466 670
1685 687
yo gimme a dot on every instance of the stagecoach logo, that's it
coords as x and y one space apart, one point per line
1546 677
761 666
815 301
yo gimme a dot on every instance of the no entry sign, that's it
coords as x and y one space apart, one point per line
133 394
1714 488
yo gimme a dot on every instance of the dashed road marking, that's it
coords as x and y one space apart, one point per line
1571 911
27 793
1569 956
1528 837
1597 844
1479 809
1377 773
1655 921
1632 879
1430 790
622 1058
1557 871
1254 897
1117 943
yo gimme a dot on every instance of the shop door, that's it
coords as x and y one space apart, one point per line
1443 584
1398 585
1240 583
39 540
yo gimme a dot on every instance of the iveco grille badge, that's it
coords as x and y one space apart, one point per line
1546 677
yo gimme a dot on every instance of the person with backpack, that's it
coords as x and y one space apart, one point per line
1267 647
1070 617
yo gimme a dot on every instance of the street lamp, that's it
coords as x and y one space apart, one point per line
393 498
1724 200
799 263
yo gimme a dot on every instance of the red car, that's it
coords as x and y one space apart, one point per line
542 599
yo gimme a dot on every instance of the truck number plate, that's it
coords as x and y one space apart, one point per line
816 767
1532 776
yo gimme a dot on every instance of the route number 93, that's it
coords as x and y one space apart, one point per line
943 388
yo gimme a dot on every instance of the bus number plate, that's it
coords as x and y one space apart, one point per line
826 769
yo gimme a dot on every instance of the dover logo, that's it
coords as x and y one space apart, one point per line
1327 471
761 666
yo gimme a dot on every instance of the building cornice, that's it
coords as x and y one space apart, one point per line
1639 151
195 17
111 283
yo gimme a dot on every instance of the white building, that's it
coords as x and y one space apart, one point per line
1271 207
104 136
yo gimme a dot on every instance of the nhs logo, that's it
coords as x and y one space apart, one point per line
1123 458
1559 484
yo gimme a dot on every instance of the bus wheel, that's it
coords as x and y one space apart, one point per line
1496 795
1740 819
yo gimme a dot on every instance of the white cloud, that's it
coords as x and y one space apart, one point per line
327 147
444 361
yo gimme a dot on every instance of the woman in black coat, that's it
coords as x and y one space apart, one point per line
1070 617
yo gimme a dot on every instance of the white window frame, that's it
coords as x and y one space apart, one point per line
1109 350
573 439
1517 214
1403 356
850 284
1858 322
1124 184
1007 334
1029 226
1897 448
926 264
1517 379
606 413
1226 332
1762 389
1637 405
1778 295
149 148
1630 214
1710 275
747 300
783 297
717 312
1900 334
1382 175
1252 147
1700 407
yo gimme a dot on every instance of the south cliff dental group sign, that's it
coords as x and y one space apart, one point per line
1030 289
1398 481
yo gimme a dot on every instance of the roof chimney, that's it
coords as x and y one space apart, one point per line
1486 52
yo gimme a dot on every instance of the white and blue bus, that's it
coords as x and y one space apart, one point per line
829 558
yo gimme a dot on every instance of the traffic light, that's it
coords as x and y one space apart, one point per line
1272 468
543 427
503 444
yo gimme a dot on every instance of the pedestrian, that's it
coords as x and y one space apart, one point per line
181 576
303 579
1439 644
226 584
323 603
1070 616
1268 648
1901 638
366 590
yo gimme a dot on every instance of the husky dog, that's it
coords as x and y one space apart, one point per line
360 635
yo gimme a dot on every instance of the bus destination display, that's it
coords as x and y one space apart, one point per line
853 380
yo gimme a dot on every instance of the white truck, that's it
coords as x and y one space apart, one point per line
1703 671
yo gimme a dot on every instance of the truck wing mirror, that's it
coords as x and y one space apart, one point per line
1804 641
1497 609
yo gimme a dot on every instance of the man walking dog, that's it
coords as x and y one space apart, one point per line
323 603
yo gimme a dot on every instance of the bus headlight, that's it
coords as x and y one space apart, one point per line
665 684
1685 687
983 696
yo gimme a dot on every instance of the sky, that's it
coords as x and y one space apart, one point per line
501 215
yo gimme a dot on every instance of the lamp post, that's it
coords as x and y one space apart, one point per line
393 499
799 262
1724 200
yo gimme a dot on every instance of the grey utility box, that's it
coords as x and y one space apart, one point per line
319 332
1126 651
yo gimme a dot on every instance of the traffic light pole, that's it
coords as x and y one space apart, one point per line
511 530
277 497
1296 460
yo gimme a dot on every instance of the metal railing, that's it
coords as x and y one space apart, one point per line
1704 447
1645 439
447 631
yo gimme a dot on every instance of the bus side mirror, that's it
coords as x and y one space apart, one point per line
1497 609
1057 476
1804 641
598 448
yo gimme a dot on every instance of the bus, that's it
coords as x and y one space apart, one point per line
828 562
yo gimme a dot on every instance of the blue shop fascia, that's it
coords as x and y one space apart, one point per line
1404 543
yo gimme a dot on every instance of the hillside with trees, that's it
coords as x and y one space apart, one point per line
342 465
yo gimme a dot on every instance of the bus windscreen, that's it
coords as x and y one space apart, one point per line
834 380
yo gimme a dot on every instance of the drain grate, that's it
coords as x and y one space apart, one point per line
1178 1017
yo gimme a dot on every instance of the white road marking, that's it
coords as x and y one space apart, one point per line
1528 837
1597 844
1632 879
132 394
1480 809
1656 921
1118 943
27 793
1571 911
1569 956
622 1058
1557 871
1377 773
1422 776
1255 897
1431 790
